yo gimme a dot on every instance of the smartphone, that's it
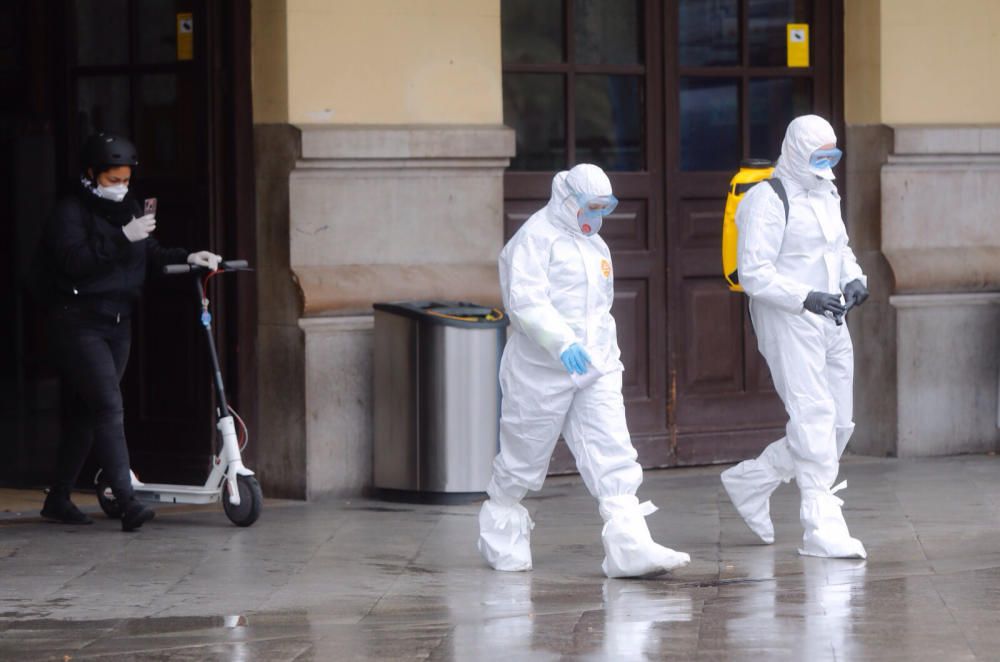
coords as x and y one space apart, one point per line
149 207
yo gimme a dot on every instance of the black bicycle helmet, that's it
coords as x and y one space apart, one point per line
103 150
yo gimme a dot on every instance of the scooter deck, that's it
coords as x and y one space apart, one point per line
161 493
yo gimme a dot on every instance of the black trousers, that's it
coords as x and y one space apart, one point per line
90 351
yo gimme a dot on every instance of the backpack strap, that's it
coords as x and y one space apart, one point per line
779 188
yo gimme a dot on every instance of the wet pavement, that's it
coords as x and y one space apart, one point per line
369 580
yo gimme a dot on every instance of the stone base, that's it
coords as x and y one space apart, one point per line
338 386
947 371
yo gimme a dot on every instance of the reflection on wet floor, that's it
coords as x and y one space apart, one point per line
359 581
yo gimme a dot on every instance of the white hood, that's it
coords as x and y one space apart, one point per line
804 136
583 178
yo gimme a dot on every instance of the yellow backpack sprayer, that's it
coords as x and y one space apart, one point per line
752 172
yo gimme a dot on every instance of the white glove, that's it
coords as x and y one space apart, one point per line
139 228
205 259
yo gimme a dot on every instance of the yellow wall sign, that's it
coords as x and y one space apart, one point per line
185 36
798 44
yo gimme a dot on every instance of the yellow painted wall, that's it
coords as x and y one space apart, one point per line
862 62
438 61
394 61
269 32
922 61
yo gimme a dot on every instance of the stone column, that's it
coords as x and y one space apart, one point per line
941 235
873 326
280 437
381 214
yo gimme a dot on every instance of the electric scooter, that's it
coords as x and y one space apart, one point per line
229 480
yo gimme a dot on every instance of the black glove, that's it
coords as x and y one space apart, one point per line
855 293
822 303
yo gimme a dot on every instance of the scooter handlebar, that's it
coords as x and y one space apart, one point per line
228 265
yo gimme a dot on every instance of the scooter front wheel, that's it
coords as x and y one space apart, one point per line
251 501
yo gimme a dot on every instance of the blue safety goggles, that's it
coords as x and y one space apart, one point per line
823 159
596 206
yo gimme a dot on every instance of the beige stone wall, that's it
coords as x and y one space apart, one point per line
921 61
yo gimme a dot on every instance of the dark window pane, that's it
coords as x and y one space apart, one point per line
710 123
768 24
102 104
101 32
608 31
709 32
156 30
774 102
609 122
532 30
166 132
534 105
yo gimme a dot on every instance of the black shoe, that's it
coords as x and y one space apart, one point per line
134 515
59 508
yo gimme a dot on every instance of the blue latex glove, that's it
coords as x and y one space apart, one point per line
576 359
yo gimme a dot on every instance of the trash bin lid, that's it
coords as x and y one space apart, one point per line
448 313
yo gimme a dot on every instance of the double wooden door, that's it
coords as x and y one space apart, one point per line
668 97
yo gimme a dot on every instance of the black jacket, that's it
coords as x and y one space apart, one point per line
88 259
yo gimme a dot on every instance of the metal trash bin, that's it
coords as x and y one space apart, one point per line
437 399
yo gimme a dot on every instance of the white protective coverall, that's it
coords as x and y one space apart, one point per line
811 358
558 287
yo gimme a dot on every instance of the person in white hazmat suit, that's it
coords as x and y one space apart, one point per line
794 272
561 374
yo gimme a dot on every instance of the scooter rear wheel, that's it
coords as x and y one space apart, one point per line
251 501
107 500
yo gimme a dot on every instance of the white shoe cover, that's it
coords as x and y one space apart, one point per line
505 536
629 550
826 533
750 485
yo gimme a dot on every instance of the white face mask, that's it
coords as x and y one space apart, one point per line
115 193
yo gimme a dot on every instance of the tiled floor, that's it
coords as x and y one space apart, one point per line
370 580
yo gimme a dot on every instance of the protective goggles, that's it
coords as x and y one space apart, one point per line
596 206
823 159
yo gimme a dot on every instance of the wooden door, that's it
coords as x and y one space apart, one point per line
668 97
582 83
729 96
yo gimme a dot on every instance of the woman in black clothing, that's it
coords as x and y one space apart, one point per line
96 248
